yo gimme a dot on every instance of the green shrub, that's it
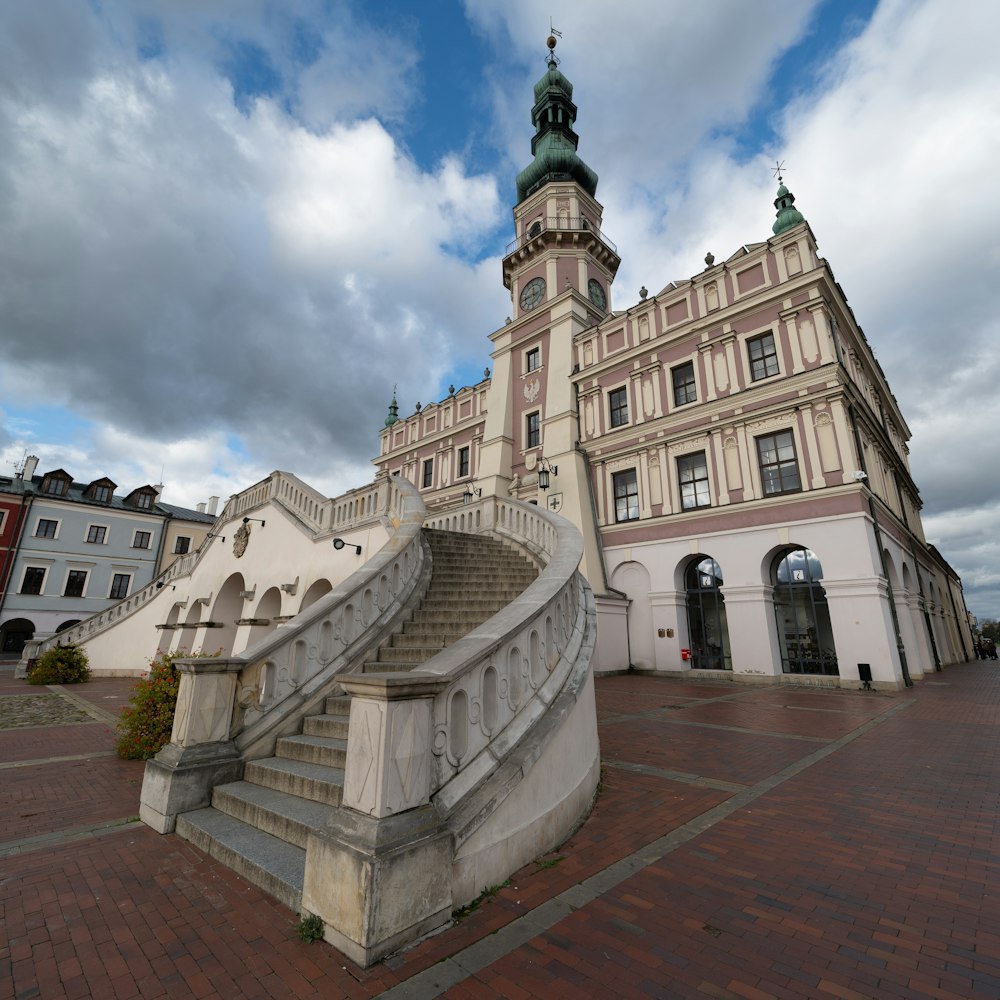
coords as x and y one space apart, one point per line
61 665
145 723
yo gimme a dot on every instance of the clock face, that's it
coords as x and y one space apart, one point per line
596 291
532 293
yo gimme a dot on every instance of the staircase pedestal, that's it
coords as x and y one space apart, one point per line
179 779
378 884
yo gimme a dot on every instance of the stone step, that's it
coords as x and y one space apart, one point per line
331 726
458 607
426 637
298 777
413 654
288 817
338 705
448 614
271 864
315 749
391 666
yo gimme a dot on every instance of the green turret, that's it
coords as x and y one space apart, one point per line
554 143
393 411
788 214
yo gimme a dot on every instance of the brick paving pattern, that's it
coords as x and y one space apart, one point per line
747 843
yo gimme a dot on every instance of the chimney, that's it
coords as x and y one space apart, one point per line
213 505
159 490
200 508
30 464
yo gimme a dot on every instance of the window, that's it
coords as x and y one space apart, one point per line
685 389
76 581
144 500
97 534
534 435
428 472
533 359
626 496
463 462
102 494
119 586
779 469
618 400
46 528
34 577
763 357
55 487
692 472
182 545
141 540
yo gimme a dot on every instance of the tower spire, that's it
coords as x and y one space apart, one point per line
554 143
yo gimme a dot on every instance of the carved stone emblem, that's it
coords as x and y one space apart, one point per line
531 390
240 540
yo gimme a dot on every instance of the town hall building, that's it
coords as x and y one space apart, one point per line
728 446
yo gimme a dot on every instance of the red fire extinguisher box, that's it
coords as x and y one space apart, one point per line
685 654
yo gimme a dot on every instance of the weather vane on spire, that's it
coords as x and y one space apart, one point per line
551 43
776 170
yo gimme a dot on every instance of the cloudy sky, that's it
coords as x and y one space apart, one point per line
228 228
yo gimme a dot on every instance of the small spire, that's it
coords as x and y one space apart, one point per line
788 216
393 410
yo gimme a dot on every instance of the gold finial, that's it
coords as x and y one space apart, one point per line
551 40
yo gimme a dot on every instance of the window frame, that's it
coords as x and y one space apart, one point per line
683 462
464 461
427 475
72 574
102 494
765 356
93 530
533 354
533 429
631 511
618 415
47 520
779 464
115 578
688 387
135 539
41 581
178 551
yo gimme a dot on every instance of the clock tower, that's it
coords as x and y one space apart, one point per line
559 270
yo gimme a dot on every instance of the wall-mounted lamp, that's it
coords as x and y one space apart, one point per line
860 477
247 520
212 534
339 543
471 493
545 468
290 588
159 584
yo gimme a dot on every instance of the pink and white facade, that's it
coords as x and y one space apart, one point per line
729 447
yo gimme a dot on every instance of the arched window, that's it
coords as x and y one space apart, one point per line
708 632
804 630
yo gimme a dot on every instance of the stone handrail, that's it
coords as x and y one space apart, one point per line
322 515
476 701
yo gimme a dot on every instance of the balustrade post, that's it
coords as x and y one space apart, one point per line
200 754
379 873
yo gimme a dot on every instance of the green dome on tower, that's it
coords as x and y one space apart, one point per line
554 143
788 215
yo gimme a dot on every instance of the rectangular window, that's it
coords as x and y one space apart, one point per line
182 545
46 528
428 472
55 487
685 389
534 436
692 473
75 583
533 359
119 586
463 462
102 494
144 500
626 496
34 577
779 468
141 540
97 534
618 401
763 357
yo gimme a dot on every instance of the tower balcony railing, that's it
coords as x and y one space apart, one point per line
562 224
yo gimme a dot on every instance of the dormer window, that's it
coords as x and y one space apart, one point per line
56 483
100 491
144 501
142 498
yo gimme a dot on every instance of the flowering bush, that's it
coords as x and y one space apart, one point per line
61 665
145 723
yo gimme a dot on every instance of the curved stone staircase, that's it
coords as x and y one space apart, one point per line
259 826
